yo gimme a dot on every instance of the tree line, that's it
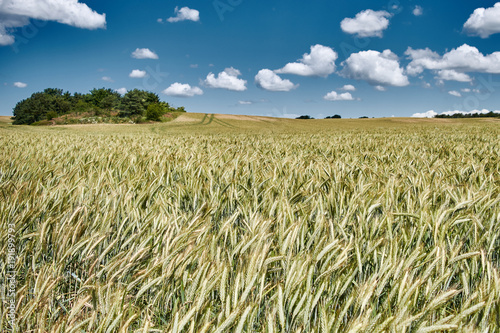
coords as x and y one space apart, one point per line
52 103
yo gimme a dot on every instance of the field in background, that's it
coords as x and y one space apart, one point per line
215 223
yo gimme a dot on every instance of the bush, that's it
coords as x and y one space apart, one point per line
51 115
304 117
154 112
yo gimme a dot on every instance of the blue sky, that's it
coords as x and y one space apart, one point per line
275 58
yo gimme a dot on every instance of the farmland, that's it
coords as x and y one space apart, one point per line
215 223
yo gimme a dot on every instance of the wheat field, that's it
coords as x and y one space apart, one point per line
230 225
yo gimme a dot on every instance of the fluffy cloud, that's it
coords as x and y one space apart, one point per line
378 69
380 88
455 93
367 23
228 79
320 62
121 91
268 80
107 79
452 75
333 96
348 87
137 74
418 10
182 90
20 84
484 22
461 60
432 113
428 114
17 13
185 14
144 54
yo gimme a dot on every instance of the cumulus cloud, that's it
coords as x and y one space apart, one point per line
452 75
378 69
121 91
380 88
348 87
319 62
454 93
228 79
418 10
137 74
182 90
334 96
185 14
144 54
484 22
461 60
107 79
368 23
428 114
432 113
268 80
17 13
20 84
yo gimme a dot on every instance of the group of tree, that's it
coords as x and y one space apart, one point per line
329 117
490 114
53 103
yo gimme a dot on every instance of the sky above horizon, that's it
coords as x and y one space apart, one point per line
270 58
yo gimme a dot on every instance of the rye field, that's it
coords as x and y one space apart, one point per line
214 223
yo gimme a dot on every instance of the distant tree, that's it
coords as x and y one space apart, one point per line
305 117
337 116
180 109
154 112
51 115
364 117
103 98
136 102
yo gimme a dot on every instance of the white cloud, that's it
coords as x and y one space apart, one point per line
348 87
268 80
182 90
20 84
428 114
144 54
333 96
245 103
228 79
454 93
452 75
137 74
380 88
17 13
466 90
320 62
418 10
367 23
484 111
193 65
378 69
160 20
107 79
185 14
432 113
121 91
462 59
484 22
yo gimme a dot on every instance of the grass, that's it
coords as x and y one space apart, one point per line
220 224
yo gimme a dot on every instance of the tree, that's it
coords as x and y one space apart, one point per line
305 117
155 112
337 116
136 102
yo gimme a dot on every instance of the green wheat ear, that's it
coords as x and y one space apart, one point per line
253 226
